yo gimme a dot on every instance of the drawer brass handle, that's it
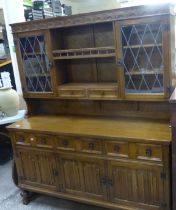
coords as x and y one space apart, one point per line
116 148
55 172
43 141
32 139
21 139
91 146
65 143
148 152
103 181
110 183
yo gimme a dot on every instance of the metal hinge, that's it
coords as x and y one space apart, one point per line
170 89
15 42
55 172
163 205
163 175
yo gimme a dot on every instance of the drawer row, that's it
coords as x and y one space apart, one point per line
79 92
114 148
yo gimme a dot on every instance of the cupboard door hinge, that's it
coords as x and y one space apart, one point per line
166 27
163 175
50 65
55 172
15 42
163 205
120 62
169 89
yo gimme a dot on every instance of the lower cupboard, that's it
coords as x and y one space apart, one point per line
109 182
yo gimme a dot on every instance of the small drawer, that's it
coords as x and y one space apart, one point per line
20 139
91 146
72 93
149 152
102 93
45 141
65 143
25 139
119 149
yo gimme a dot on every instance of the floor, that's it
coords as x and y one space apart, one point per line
10 197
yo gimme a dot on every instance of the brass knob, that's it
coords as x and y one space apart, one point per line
148 152
31 139
116 148
43 141
91 146
65 142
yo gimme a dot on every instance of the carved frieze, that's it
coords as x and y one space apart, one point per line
94 17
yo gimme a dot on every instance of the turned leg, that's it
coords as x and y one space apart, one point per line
26 196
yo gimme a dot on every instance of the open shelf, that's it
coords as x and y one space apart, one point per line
96 52
38 75
35 53
142 45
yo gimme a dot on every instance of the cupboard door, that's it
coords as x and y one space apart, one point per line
136 185
27 166
84 176
49 171
37 169
142 56
35 63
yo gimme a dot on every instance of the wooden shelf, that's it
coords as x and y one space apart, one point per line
38 75
99 52
143 45
148 72
34 53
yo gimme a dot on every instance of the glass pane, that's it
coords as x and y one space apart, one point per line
36 64
143 58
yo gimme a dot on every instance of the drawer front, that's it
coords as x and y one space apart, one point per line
102 93
149 152
45 141
65 143
74 93
20 139
91 146
25 139
119 149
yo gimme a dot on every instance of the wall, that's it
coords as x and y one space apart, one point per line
1 4
13 13
82 6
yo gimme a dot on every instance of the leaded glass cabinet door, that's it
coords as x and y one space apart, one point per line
142 57
35 60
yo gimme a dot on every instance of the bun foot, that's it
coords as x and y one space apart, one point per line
26 196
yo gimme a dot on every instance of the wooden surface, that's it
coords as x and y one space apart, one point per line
120 159
95 17
152 130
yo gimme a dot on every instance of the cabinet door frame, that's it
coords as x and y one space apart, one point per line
81 159
158 169
47 37
38 179
164 20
